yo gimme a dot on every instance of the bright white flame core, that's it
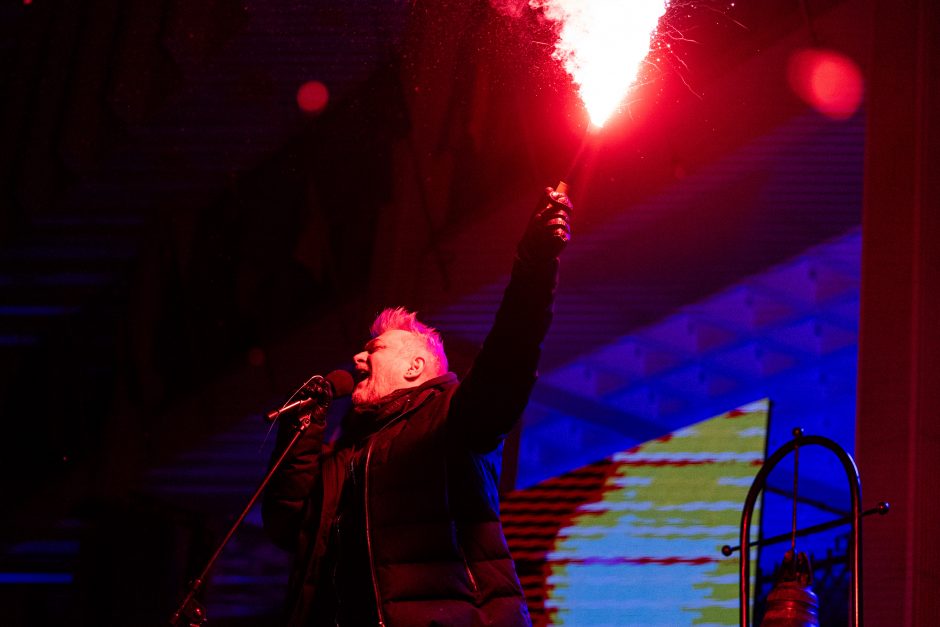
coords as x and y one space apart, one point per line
602 44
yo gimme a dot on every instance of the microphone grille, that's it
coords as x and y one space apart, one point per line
342 382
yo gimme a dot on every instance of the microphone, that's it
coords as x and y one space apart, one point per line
319 391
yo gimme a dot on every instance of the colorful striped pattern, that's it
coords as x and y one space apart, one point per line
635 539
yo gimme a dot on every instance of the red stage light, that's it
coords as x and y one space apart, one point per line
828 81
312 97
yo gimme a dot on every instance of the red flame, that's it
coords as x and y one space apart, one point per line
602 44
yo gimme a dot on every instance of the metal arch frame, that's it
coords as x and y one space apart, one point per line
855 544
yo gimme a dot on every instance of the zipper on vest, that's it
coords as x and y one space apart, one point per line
365 491
375 580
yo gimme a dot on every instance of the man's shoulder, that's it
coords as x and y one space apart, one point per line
444 381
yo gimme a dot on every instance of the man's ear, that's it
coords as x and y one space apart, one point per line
415 368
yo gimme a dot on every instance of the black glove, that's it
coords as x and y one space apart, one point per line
549 229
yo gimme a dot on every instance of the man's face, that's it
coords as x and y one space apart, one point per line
383 364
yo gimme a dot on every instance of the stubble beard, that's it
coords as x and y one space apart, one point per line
365 393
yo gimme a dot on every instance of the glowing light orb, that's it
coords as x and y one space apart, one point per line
602 44
312 97
828 81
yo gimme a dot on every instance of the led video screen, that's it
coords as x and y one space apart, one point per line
635 539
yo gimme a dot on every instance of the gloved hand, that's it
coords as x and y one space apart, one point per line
319 388
549 229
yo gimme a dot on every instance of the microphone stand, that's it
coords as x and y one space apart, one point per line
191 611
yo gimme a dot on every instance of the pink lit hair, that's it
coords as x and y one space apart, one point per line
401 319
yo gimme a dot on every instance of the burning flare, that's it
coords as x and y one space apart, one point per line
602 44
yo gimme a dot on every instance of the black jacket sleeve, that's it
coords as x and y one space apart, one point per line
494 393
286 496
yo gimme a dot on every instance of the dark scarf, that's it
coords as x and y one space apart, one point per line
366 419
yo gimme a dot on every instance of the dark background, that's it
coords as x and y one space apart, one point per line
181 246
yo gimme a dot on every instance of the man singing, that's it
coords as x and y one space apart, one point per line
396 523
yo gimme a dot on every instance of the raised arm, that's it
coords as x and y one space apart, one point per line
494 393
